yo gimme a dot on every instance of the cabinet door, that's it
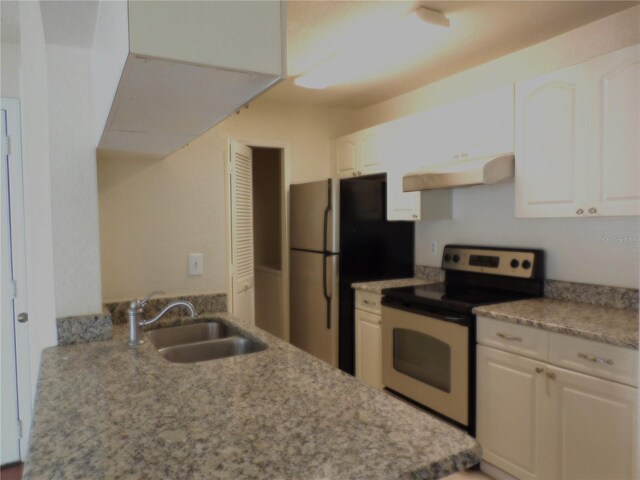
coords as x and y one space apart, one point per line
507 412
368 348
372 150
346 156
591 427
401 205
552 144
615 182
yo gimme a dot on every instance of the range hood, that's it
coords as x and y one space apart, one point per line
461 173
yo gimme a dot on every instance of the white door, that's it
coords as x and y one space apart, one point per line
615 95
15 377
591 428
551 144
508 415
368 348
345 156
242 264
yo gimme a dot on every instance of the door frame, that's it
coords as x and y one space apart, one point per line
19 260
285 184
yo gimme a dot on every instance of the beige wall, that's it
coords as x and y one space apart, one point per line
153 213
266 206
589 250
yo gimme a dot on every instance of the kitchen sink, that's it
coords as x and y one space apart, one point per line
200 342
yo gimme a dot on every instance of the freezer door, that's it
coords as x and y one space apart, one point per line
314 216
311 328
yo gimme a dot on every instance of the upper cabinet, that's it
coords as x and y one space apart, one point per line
577 142
472 127
360 153
188 66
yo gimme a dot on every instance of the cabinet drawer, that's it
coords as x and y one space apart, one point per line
598 359
368 301
527 341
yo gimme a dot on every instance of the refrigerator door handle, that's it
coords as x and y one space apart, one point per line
325 290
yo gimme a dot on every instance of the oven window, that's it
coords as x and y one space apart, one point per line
422 357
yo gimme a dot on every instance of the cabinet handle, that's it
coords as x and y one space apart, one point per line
593 210
359 172
580 211
539 369
551 375
591 358
414 216
355 173
509 337
367 302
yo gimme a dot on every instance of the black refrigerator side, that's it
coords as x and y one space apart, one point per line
371 248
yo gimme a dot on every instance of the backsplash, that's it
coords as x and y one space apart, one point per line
602 295
206 303
84 328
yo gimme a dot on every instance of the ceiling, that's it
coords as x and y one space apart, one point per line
479 32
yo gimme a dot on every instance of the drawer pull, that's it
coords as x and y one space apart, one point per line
509 337
591 358
367 302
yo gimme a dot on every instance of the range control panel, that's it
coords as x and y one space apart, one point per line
495 261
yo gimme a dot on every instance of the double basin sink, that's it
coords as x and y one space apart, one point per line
199 342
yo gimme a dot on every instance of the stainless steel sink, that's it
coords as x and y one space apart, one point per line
199 342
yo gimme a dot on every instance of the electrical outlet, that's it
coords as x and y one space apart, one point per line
434 247
195 264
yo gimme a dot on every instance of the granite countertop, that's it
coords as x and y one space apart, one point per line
604 324
379 285
105 410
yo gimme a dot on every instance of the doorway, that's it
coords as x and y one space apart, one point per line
259 294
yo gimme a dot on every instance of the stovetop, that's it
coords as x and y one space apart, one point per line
451 297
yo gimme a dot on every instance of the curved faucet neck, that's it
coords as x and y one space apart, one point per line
171 306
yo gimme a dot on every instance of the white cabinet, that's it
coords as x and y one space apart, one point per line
536 420
182 67
577 142
508 415
368 338
360 153
591 426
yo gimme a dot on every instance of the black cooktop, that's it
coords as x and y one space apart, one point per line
450 297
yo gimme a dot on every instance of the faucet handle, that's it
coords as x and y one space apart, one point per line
142 302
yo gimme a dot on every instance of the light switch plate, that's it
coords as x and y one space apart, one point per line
195 264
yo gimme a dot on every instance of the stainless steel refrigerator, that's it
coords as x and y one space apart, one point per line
339 235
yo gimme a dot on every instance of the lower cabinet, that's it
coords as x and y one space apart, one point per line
368 319
539 421
368 348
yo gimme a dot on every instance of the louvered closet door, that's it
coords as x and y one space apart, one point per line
242 282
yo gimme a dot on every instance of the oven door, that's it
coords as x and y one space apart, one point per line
426 359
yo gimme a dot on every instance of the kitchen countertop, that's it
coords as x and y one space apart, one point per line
604 324
105 410
379 285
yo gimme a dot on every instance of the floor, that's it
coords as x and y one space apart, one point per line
467 475
12 472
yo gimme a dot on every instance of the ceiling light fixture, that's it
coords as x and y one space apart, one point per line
378 53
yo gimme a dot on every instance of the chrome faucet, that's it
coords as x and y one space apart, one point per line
136 309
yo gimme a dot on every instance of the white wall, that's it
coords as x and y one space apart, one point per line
153 213
110 50
37 187
589 250
10 70
577 249
74 191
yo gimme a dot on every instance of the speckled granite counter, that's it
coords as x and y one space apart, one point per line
603 324
379 285
104 410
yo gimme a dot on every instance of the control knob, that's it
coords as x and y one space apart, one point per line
456 258
447 258
515 263
526 264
